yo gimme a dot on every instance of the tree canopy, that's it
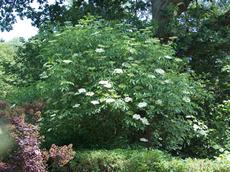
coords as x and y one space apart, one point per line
107 9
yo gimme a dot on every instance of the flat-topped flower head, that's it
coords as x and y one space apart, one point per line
143 140
145 121
100 50
67 61
110 100
168 57
142 104
81 90
95 102
118 71
128 99
76 105
89 94
108 85
103 82
136 116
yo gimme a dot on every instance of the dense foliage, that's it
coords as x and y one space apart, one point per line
220 118
7 52
124 83
142 160
204 38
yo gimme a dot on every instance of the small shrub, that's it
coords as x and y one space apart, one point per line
27 155
27 138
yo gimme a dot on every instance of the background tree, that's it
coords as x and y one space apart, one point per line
163 12
9 9
204 39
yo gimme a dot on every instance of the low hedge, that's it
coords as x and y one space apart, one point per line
143 160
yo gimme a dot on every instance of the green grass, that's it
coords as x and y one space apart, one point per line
142 160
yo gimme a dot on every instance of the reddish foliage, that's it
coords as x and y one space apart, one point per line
32 108
30 157
61 155
3 105
4 167
27 138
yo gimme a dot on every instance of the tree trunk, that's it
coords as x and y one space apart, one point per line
162 14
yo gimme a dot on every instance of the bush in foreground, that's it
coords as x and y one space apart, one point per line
23 152
144 160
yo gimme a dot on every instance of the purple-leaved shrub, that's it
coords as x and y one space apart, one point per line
28 157
27 138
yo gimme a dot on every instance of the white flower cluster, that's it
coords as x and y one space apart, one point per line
105 84
144 120
76 105
226 101
118 71
128 99
89 94
100 50
95 102
168 57
143 140
67 61
136 116
201 129
142 104
86 1
109 100
83 91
